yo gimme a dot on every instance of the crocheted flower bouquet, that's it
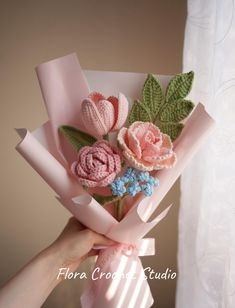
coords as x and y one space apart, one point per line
111 158
141 139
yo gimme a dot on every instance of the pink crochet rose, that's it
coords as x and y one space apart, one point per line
145 147
101 115
97 165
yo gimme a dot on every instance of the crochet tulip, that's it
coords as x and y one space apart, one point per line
101 115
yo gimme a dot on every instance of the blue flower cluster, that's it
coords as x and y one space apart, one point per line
132 182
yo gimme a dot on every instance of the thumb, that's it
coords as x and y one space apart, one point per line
101 240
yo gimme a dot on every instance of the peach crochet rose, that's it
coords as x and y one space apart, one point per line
101 115
145 147
97 165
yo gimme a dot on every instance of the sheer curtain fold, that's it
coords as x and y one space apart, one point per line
206 253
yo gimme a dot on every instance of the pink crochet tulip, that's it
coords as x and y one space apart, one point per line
145 147
101 115
97 165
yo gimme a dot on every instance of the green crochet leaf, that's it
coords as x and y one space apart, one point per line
176 111
179 86
171 129
164 111
139 112
153 96
103 200
76 137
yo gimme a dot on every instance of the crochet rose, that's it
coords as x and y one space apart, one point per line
97 165
145 147
101 115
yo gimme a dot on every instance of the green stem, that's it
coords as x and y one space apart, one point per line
119 209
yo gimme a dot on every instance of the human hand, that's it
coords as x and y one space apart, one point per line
75 244
33 283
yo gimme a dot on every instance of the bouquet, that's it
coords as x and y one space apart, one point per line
112 148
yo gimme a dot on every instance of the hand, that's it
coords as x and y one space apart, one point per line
75 244
32 284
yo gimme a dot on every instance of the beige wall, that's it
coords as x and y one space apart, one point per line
139 36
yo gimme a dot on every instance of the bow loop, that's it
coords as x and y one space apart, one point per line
143 247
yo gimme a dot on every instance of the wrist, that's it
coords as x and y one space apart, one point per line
50 260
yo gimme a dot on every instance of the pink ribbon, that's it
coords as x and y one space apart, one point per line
117 273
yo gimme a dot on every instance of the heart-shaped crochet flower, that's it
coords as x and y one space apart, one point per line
97 165
101 115
145 147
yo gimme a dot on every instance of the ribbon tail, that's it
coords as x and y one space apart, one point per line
123 284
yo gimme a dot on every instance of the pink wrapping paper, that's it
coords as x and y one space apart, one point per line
63 86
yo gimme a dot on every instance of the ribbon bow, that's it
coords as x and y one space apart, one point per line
118 278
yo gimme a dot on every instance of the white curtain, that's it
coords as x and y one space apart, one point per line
206 255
